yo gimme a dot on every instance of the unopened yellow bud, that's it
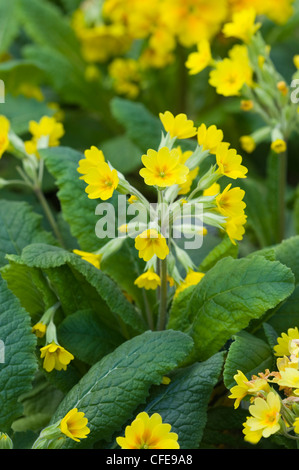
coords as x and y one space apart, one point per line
248 144
279 146
283 88
247 105
296 61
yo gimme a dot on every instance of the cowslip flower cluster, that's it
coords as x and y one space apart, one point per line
249 73
274 395
73 426
109 30
148 432
180 185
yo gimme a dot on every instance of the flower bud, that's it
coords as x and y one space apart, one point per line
5 441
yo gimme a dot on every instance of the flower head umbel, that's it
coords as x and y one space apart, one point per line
74 425
178 126
148 432
55 357
150 243
163 168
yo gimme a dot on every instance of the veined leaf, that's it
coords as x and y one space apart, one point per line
259 359
231 294
18 362
113 388
184 402
19 226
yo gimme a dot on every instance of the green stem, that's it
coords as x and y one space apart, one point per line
44 203
163 295
282 175
148 311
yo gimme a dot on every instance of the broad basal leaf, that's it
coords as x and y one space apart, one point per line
231 294
17 356
113 388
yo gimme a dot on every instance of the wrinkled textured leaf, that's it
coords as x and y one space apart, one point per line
113 388
231 294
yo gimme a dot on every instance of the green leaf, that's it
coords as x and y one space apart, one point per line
222 250
87 337
47 257
231 294
19 226
259 359
296 210
184 402
122 153
8 23
259 217
20 110
141 126
19 364
30 286
38 19
113 388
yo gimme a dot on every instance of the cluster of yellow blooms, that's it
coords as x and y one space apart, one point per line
249 73
176 176
145 432
108 29
274 396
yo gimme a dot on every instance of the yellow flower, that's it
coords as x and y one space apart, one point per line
239 55
198 61
4 130
289 378
178 126
132 199
242 26
212 190
148 280
252 436
229 162
55 357
150 243
163 168
185 187
282 347
227 77
279 146
230 202
296 61
235 228
126 76
31 147
48 128
39 329
248 143
91 258
148 433
265 415
209 138
74 425
192 279
93 157
245 387
102 181
296 425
